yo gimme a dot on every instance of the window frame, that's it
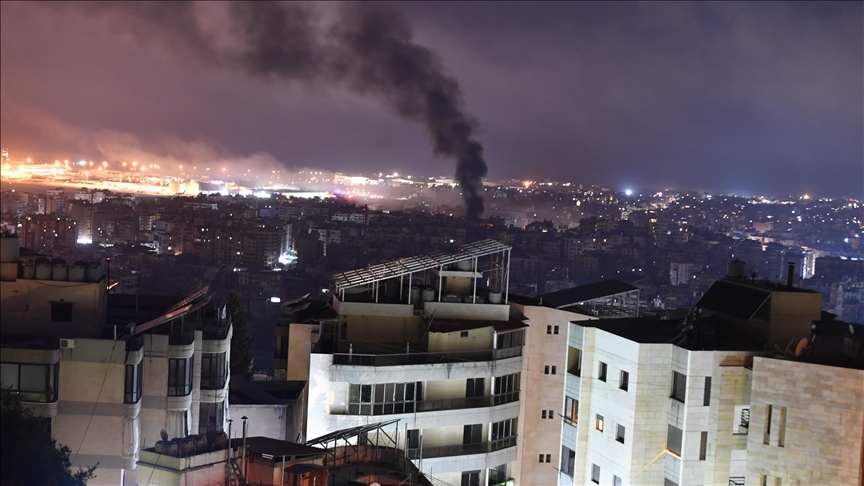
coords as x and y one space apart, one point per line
595 473
602 370
620 433
624 380
133 385
211 362
679 387
61 311
599 422
180 378
48 394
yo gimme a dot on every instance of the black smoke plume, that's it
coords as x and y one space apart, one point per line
367 48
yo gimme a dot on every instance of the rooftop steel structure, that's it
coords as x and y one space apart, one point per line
437 260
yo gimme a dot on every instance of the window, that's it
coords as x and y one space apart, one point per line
703 445
595 473
624 381
543 415
554 370
548 329
214 371
471 478
498 475
616 481
781 429
546 370
542 457
568 461
31 382
510 339
506 388
179 377
463 334
555 330
211 416
472 434
501 432
598 422
673 440
679 386
766 438
548 458
414 439
574 361
61 311
601 373
475 387
706 400
619 434
384 398
571 410
669 482
133 385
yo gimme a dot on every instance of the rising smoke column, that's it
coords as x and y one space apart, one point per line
367 49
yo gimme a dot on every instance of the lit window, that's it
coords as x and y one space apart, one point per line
598 422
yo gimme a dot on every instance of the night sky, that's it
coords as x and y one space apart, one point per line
747 98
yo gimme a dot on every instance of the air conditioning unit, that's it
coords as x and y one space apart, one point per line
67 344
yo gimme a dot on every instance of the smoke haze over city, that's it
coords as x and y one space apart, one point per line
759 98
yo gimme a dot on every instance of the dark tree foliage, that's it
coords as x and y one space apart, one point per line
241 341
28 455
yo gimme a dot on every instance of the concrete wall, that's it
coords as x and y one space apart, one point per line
477 339
27 307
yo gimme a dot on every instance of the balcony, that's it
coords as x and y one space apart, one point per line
463 449
402 359
432 405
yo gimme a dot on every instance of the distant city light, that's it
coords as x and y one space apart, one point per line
628 192
275 300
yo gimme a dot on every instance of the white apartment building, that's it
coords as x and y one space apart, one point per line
704 400
110 371
429 341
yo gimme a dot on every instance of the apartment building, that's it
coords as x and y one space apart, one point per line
110 371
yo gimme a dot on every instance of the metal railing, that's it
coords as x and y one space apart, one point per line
431 405
464 449
745 418
424 358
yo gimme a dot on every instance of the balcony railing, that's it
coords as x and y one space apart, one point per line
424 358
463 449
431 405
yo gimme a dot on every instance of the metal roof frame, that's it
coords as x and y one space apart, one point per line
406 266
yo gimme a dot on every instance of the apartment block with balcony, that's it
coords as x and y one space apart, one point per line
110 371
429 340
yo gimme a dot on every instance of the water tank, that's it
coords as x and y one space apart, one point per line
428 295
77 272
10 247
59 271
28 270
494 297
415 294
43 269
736 269
464 265
94 271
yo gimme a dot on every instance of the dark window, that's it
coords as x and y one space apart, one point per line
211 416
571 410
463 334
546 370
625 381
30 382
548 329
679 386
61 311
619 434
472 434
506 388
766 439
703 445
384 398
498 475
179 376
673 440
475 387
133 384
601 372
414 439
543 415
471 478
509 339
503 429
554 370
214 371
598 422
568 461
595 473
555 330
706 400
574 361
541 457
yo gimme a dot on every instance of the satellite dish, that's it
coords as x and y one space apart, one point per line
164 434
802 345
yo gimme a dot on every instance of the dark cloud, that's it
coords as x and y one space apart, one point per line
760 97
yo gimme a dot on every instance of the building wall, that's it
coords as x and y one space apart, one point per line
27 307
476 340
823 436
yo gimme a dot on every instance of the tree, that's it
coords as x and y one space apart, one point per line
241 341
28 454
